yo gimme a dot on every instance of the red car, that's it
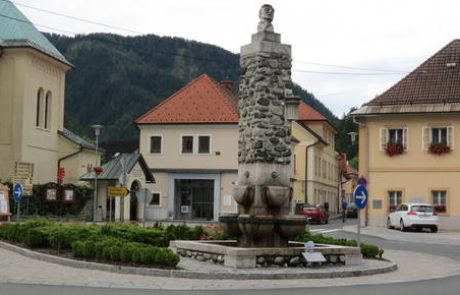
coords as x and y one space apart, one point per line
315 213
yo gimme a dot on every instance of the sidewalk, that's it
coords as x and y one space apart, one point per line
440 238
23 270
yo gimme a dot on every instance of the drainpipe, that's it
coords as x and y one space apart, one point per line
306 167
366 219
68 156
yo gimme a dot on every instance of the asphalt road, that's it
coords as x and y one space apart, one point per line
447 286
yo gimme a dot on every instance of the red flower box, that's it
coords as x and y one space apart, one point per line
393 149
439 148
98 170
440 208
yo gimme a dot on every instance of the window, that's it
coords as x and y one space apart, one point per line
187 144
439 201
394 200
47 110
438 135
155 144
204 143
155 199
39 107
393 136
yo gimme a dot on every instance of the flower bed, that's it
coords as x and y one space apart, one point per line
111 243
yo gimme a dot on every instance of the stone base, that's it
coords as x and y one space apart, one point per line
228 254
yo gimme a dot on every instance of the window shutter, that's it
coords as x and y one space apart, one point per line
383 138
450 137
426 138
405 138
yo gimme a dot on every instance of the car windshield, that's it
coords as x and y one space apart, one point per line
422 208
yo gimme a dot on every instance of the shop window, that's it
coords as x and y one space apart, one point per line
394 200
439 201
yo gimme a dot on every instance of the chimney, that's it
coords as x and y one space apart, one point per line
227 84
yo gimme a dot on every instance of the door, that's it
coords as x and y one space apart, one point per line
194 199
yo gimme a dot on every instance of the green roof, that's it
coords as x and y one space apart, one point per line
17 31
113 169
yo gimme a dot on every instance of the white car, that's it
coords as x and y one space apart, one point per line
413 215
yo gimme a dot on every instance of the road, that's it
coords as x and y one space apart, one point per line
447 286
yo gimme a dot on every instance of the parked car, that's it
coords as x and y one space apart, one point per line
413 215
352 211
315 213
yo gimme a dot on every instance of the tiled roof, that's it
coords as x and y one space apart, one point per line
17 31
307 113
75 138
437 80
203 100
113 169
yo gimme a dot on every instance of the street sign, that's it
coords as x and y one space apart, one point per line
17 192
361 196
115 191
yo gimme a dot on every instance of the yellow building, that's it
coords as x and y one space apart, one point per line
315 173
32 80
408 141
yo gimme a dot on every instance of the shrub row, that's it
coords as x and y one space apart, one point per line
367 250
116 250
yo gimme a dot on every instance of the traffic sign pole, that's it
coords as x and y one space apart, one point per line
361 196
359 228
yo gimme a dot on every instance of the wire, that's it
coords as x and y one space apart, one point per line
181 55
77 18
35 24
349 67
346 73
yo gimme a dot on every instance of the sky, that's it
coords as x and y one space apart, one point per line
344 52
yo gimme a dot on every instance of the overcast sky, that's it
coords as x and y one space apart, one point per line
390 38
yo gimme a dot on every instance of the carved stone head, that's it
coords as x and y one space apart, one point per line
266 14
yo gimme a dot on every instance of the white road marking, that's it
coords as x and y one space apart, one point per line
324 230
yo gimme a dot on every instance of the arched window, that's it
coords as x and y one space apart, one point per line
38 119
48 110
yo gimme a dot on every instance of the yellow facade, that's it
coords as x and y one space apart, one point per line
315 173
417 174
25 74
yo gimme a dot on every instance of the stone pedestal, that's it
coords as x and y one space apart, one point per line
263 190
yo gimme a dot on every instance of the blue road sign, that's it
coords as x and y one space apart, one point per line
17 192
361 196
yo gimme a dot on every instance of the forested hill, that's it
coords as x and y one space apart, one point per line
117 78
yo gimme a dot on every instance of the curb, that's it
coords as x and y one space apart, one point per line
392 266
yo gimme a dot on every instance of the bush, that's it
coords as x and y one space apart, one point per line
115 253
369 251
113 242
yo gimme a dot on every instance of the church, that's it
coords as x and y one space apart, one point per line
33 141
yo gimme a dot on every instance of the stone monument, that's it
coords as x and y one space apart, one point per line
263 191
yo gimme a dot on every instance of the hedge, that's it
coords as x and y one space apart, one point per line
367 250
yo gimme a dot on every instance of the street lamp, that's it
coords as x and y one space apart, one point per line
97 132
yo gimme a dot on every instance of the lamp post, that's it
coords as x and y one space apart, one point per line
97 132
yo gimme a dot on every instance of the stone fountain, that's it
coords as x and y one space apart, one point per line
264 223
263 191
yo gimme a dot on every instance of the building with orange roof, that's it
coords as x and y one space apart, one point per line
190 141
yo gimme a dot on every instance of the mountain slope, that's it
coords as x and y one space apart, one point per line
116 78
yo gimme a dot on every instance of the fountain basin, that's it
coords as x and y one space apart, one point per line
227 253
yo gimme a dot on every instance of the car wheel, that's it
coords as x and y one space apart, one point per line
434 229
401 226
389 223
